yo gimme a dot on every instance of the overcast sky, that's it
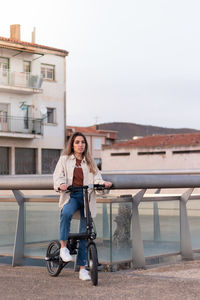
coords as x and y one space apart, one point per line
129 60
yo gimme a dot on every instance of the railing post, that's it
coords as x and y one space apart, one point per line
105 221
18 252
185 236
156 220
137 243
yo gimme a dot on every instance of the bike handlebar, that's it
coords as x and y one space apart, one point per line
98 187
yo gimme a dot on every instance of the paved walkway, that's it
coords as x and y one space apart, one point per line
174 282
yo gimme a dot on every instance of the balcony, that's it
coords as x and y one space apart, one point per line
19 127
20 82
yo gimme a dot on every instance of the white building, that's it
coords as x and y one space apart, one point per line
32 105
161 152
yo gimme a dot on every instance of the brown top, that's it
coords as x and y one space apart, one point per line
78 174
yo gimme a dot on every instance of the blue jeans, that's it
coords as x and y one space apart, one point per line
75 203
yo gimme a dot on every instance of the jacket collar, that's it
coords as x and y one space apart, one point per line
72 156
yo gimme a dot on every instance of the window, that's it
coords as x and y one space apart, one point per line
152 153
4 65
98 162
3 117
27 70
25 162
108 142
49 160
120 154
97 142
27 66
185 151
4 161
26 114
48 71
51 115
27 109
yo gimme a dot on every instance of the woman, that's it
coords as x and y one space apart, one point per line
76 167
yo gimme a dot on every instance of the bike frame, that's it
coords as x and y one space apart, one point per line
54 263
89 234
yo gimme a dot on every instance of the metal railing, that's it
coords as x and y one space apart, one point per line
134 180
20 79
21 125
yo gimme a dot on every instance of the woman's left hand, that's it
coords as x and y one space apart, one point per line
107 184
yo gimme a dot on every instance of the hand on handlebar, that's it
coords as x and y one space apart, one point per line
107 184
63 187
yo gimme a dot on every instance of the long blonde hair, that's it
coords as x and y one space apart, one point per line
70 150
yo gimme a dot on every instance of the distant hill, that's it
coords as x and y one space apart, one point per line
126 131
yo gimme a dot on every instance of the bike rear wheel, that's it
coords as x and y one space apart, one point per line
53 263
93 263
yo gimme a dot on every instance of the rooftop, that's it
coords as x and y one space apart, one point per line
15 43
161 141
90 130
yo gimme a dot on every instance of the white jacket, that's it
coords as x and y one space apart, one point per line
64 174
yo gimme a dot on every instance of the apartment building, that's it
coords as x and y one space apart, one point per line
170 151
32 105
95 138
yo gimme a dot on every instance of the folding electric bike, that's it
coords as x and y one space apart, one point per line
53 260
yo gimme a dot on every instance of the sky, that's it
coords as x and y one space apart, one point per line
129 60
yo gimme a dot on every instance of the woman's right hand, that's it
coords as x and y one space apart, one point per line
63 187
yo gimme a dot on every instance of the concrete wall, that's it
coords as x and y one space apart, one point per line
134 161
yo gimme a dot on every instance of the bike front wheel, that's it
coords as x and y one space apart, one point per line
53 264
93 263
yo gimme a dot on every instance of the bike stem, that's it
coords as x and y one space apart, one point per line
88 213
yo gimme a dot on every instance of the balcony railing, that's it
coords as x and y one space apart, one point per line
20 79
21 125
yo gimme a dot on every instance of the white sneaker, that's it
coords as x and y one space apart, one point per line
84 275
65 255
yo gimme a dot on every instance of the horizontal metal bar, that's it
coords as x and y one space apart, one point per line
111 199
120 181
26 182
153 172
149 181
